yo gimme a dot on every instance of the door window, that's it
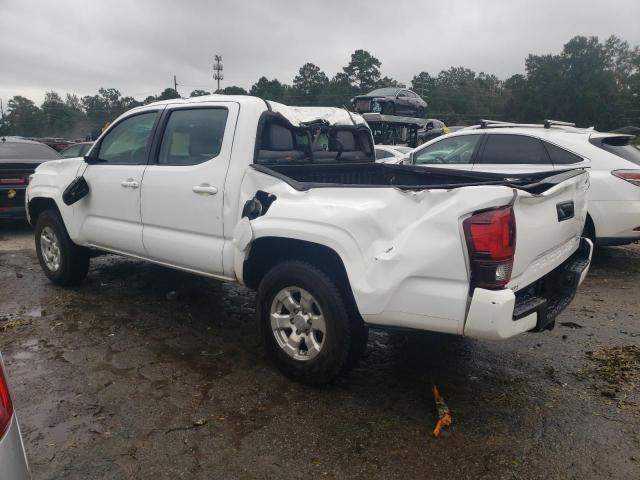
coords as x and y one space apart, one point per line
514 150
452 150
128 141
560 156
192 136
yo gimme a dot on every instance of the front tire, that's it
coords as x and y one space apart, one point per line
62 261
305 323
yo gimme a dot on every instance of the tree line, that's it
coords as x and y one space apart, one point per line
590 82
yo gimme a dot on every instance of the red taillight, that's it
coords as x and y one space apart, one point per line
491 241
6 407
632 176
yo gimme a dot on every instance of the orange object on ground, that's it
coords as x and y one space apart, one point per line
444 415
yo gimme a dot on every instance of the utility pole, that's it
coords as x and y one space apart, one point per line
175 84
217 70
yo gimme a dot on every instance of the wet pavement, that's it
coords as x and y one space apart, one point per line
144 372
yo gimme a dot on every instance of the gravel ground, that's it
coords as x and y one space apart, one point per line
144 372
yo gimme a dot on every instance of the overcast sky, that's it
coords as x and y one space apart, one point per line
137 46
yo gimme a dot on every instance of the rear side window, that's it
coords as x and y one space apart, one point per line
26 151
192 136
559 156
619 146
513 149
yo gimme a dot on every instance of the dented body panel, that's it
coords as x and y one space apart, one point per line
403 250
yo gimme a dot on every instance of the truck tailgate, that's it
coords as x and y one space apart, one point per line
548 228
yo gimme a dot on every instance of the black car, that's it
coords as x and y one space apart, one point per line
18 159
432 129
390 101
76 150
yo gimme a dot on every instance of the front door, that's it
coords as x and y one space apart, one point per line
109 216
183 188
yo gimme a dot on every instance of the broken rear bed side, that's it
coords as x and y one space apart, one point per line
402 248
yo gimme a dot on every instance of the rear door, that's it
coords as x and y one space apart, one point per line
182 192
511 153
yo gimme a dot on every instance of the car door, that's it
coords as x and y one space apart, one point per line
402 102
182 192
109 216
456 152
512 153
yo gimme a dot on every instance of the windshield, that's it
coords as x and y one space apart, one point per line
384 92
26 151
620 146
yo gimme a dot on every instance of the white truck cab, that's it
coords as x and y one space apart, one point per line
290 201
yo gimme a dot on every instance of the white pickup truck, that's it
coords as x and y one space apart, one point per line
290 201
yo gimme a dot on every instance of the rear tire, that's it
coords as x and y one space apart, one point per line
295 292
62 261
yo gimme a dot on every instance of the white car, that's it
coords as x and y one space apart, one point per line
391 153
614 194
13 461
237 189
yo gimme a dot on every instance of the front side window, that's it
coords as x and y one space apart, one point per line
513 150
127 142
193 136
452 150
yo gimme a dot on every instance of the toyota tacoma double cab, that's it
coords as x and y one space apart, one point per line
289 201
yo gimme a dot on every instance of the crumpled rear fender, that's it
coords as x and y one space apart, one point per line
403 251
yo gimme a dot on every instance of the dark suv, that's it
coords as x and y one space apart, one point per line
390 101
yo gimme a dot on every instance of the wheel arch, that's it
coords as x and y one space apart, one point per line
266 252
37 205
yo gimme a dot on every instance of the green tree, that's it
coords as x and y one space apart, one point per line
308 84
24 117
168 94
233 90
423 84
363 70
389 82
199 93
58 117
268 89
338 91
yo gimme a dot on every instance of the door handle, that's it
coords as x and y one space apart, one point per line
130 183
205 189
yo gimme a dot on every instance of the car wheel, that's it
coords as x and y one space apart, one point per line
62 261
389 108
305 324
420 112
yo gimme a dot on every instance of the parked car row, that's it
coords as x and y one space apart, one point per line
613 215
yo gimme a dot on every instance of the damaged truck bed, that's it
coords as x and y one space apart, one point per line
289 201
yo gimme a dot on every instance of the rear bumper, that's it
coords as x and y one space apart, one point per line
13 461
501 314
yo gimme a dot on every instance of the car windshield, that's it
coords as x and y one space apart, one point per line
26 151
620 146
384 92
